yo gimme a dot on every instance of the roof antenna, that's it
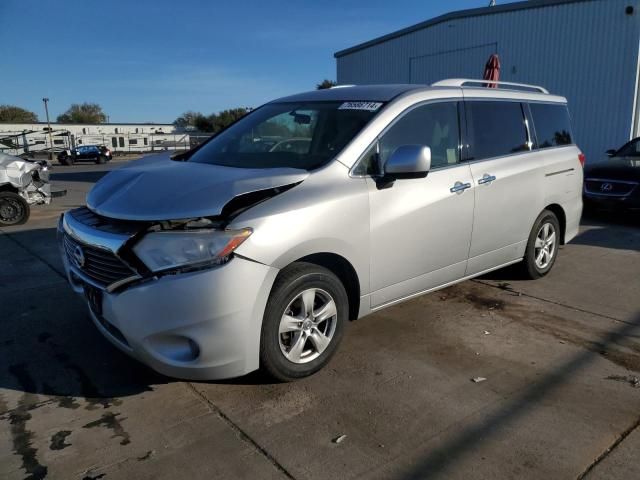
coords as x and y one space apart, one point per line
492 3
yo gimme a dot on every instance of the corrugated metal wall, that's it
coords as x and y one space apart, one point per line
586 51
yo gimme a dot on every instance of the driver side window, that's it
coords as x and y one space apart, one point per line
435 125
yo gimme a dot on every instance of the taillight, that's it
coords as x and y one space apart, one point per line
582 158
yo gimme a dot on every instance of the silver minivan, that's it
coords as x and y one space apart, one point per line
256 248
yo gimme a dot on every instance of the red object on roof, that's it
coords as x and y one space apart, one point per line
492 71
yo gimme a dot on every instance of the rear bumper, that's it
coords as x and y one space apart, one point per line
611 201
573 215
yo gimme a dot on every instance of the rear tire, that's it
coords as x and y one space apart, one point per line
542 247
14 210
101 160
303 322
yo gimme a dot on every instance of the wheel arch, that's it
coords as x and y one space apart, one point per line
7 187
346 273
559 212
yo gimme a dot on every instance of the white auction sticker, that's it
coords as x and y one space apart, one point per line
368 106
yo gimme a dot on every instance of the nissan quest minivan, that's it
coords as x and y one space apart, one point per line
255 249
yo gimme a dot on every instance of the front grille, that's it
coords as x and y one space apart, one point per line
93 220
609 187
101 266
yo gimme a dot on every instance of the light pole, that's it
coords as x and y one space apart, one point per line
46 109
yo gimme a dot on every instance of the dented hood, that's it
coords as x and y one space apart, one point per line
158 188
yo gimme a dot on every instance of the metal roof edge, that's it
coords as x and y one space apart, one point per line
472 12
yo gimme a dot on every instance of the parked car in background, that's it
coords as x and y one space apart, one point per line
95 153
226 258
23 183
613 182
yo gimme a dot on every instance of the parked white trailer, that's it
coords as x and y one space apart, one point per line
26 138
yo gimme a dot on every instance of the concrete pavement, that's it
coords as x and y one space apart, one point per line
559 356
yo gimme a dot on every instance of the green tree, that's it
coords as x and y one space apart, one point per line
188 119
83 113
203 123
225 118
326 83
13 114
210 123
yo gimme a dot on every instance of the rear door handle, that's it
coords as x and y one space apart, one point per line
486 178
459 187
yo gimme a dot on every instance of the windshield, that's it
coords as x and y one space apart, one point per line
298 135
631 149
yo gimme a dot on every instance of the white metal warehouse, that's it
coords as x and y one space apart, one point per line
585 50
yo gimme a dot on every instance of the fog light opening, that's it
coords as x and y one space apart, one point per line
176 348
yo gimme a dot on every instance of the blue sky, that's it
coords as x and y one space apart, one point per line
151 60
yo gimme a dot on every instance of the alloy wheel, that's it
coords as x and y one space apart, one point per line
545 245
307 325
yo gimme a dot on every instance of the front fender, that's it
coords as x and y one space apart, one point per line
327 213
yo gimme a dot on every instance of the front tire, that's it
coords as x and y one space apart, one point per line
303 323
14 210
542 247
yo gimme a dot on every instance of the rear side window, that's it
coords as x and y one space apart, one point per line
552 124
495 129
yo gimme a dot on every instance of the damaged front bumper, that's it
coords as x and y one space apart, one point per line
198 325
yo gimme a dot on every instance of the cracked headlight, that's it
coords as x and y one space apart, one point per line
191 248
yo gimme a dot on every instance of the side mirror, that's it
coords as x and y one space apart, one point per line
611 152
408 161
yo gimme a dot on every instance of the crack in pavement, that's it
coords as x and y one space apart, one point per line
244 436
609 449
508 288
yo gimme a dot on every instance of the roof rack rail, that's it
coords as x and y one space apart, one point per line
462 82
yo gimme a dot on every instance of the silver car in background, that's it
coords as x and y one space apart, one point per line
240 254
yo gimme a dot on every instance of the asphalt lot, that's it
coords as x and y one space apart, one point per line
559 356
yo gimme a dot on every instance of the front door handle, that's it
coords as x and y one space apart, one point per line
459 187
486 178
